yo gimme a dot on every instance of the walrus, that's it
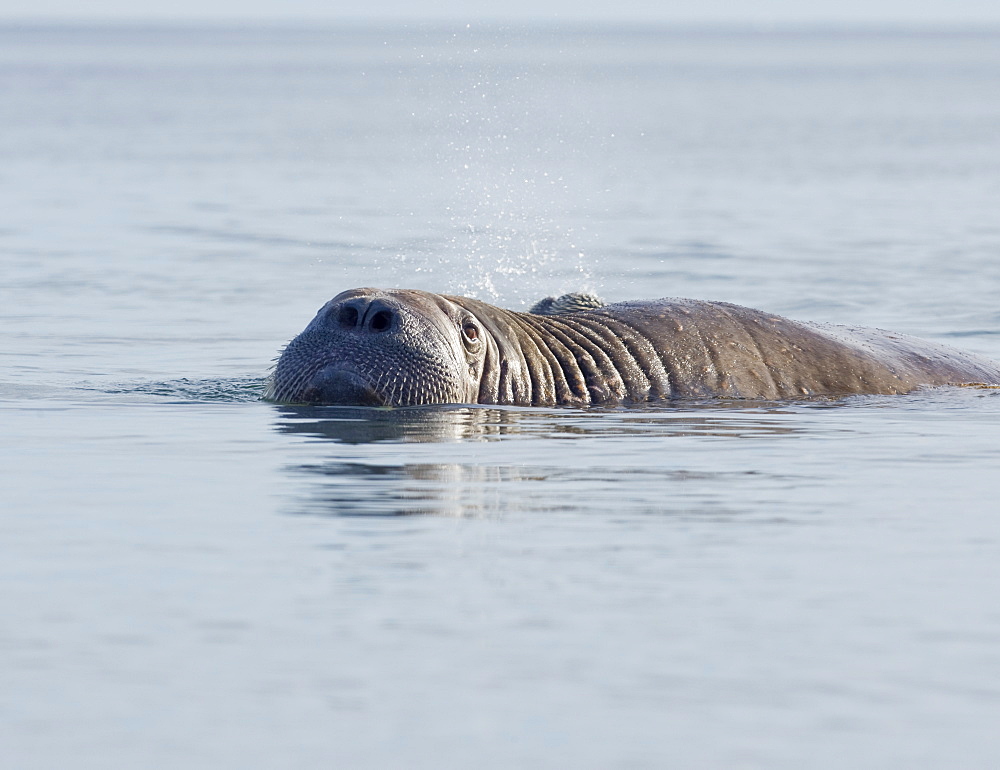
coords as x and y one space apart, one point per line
401 347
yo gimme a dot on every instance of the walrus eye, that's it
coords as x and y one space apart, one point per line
471 332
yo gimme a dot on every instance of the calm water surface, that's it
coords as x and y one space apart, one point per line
194 578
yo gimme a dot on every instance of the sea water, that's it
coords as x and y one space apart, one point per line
192 577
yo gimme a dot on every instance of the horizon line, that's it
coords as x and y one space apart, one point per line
652 24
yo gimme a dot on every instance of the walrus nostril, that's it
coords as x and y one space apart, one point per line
380 321
360 313
348 317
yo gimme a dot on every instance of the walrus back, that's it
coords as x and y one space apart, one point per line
916 360
715 349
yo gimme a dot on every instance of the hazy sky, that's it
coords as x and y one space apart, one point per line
951 12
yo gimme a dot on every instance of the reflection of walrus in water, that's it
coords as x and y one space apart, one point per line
400 346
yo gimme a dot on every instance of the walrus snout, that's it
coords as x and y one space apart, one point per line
371 347
338 386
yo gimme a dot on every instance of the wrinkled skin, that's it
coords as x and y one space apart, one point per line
401 347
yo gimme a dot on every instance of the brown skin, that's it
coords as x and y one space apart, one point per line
402 347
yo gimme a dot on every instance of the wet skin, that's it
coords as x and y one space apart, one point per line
398 347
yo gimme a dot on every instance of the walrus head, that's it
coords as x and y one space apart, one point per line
374 347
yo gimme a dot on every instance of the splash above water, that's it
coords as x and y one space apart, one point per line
505 171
